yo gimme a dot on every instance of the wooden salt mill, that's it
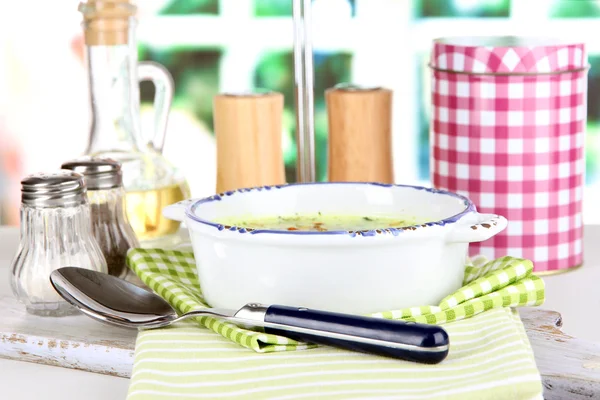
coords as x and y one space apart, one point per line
248 131
360 134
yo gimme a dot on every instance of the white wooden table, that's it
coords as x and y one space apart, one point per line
569 362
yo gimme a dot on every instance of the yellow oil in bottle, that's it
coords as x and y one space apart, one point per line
144 210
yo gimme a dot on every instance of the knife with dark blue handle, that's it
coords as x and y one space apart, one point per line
409 341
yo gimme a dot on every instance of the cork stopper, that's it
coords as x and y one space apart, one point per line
106 22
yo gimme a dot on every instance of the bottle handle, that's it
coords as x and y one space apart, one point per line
163 98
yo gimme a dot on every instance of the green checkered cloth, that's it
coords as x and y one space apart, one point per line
490 356
505 282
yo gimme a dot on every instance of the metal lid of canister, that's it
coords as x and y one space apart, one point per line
56 189
100 173
507 55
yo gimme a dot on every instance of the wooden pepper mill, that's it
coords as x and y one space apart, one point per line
360 134
248 134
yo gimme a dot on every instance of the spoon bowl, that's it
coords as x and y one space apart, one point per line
113 300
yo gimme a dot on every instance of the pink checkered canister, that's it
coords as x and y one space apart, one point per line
508 131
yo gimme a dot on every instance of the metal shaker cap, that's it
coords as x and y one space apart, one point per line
99 173
57 189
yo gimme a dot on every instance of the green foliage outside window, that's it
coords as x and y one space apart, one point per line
195 74
575 9
187 7
462 8
275 71
283 8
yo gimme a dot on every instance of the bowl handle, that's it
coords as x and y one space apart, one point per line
484 227
176 211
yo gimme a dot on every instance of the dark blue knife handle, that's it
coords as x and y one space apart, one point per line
427 344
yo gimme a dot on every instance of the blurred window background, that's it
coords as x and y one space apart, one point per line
213 46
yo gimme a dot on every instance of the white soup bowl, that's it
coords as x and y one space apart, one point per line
352 272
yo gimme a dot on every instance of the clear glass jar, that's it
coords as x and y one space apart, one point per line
150 180
110 224
55 233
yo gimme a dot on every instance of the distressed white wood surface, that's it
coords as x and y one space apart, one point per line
72 342
570 367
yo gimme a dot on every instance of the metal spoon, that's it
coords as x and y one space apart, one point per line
115 301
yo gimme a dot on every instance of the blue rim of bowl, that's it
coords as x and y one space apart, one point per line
469 207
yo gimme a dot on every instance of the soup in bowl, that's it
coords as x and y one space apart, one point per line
321 222
347 247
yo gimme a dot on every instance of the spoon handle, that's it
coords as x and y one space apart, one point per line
391 338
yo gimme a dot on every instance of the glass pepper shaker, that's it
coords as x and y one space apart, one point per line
55 233
106 195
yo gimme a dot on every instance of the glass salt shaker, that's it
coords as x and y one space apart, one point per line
106 195
55 233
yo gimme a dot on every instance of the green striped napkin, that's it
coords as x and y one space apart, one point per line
490 356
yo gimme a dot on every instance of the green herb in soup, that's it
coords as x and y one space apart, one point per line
321 222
